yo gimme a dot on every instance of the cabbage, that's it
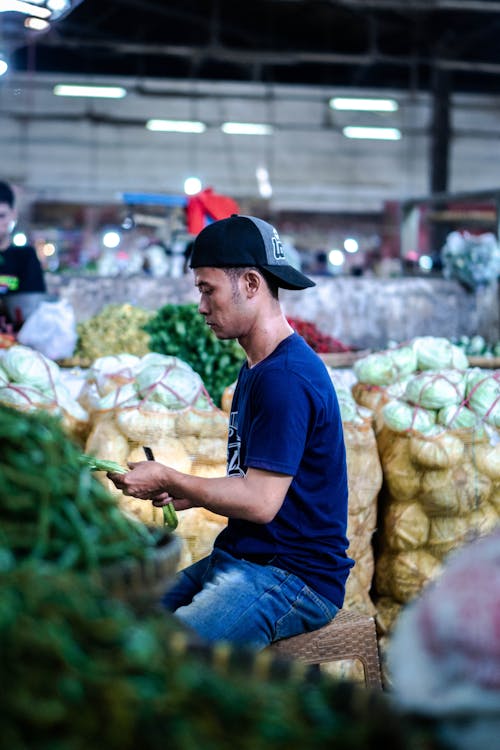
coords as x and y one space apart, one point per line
405 360
376 369
349 409
176 386
483 393
121 398
69 404
113 363
435 353
398 389
24 397
458 417
434 390
25 365
167 360
402 417
4 378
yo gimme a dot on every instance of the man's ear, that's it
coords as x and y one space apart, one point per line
253 281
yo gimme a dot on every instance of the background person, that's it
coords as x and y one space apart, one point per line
20 268
280 566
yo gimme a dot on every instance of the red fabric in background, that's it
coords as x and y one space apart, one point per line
208 205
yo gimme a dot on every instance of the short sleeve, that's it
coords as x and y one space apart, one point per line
280 419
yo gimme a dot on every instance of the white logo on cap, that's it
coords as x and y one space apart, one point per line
278 250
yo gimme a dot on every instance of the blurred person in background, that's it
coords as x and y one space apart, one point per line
20 268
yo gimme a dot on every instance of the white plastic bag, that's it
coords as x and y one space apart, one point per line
51 330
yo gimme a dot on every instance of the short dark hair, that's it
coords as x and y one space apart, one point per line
6 194
234 272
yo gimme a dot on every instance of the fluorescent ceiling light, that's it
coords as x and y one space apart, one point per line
102 92
4 65
37 24
176 126
364 105
380 134
246 128
29 9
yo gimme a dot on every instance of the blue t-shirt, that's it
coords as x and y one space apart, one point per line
285 418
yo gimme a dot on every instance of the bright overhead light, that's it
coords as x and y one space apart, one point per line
176 126
246 128
36 24
4 65
336 258
351 245
111 239
20 239
29 9
192 185
363 105
100 92
379 134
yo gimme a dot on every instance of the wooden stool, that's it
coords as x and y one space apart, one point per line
349 635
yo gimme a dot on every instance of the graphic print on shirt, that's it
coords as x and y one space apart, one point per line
233 448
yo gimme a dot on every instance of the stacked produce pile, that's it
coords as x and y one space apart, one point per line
318 341
438 440
84 672
29 381
157 401
115 329
364 474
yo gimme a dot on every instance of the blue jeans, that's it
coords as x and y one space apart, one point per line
223 598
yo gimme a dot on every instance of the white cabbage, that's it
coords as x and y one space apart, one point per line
402 417
434 390
4 378
113 363
121 398
24 397
167 360
483 393
69 404
435 353
25 365
376 369
458 417
405 360
175 386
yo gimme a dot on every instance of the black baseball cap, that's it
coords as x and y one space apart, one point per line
246 241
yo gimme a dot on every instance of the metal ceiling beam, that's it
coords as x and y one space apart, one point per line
479 6
262 57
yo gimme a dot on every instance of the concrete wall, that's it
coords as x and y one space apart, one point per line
362 312
92 151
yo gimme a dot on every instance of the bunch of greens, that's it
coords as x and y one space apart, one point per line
51 506
85 672
179 330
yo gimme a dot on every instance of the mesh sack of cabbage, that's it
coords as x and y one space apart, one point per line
30 382
441 490
160 402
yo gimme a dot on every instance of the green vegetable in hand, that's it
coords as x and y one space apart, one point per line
170 516
102 464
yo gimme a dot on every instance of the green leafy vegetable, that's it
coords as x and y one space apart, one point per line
102 464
